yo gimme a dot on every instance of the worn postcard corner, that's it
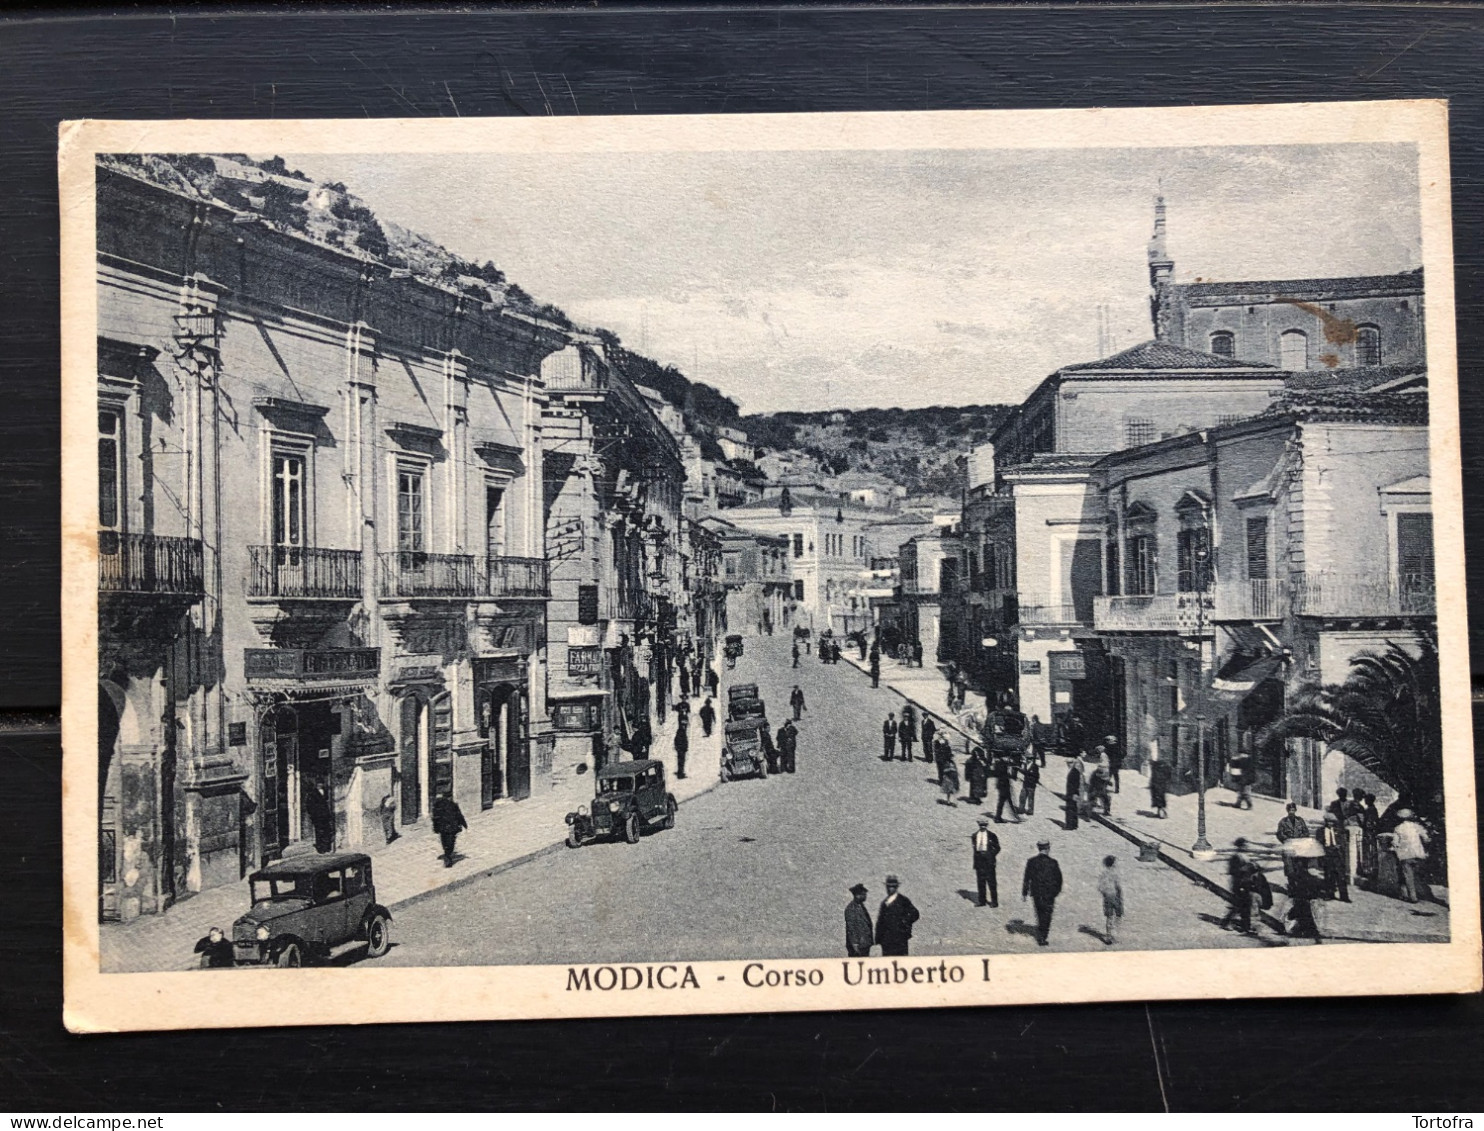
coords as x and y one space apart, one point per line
557 568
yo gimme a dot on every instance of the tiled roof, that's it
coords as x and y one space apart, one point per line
1054 461
1351 405
1157 356
1364 377
1353 286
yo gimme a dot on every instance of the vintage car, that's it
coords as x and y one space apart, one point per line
744 753
732 648
1007 734
743 702
303 907
629 799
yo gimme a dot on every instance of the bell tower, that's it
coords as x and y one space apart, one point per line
1161 275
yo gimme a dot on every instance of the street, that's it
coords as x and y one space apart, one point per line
763 867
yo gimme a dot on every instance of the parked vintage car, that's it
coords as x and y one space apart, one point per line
629 798
744 753
1007 734
732 648
303 908
743 702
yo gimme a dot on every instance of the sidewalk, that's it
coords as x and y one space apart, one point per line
1369 917
411 867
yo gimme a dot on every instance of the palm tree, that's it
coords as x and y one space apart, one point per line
1387 716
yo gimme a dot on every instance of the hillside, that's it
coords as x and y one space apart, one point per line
918 448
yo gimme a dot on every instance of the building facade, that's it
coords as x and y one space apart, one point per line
322 578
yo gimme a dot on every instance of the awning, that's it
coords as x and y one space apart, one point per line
1243 672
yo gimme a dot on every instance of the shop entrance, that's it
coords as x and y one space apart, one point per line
505 765
297 805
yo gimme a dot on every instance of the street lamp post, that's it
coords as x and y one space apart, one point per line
1202 849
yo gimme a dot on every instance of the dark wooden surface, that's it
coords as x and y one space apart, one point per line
1384 1054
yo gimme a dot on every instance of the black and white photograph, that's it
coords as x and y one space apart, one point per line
588 566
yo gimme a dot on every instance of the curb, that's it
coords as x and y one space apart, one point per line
507 865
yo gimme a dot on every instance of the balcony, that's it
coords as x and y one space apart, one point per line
1038 610
1263 599
1184 614
517 577
296 573
625 604
337 664
410 574
149 564
1363 595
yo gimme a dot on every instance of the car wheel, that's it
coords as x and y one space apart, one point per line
631 828
725 776
670 813
572 841
290 955
378 936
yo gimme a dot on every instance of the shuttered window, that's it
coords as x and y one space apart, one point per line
1414 550
1257 548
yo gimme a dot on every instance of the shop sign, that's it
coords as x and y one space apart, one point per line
1068 665
1030 667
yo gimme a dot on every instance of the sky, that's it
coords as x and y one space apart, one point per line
850 279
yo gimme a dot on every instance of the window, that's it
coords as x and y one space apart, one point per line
730 563
1115 579
288 507
411 532
110 466
1138 430
799 590
1257 549
494 521
1140 565
1367 345
1224 343
1415 566
1293 350
798 545
1193 560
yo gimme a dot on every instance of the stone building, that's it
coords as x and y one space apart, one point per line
321 571
755 574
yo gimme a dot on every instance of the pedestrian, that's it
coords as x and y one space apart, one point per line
1115 760
907 732
796 701
875 667
1110 887
948 779
950 672
682 748
1239 879
961 686
1302 888
859 934
861 643
917 653
788 746
641 739
1030 778
1074 792
1003 792
1042 738
1099 783
929 732
1073 733
1332 840
684 680
1159 781
713 681
986 854
942 755
1409 842
1370 826
770 750
1290 829
388 809
796 653
682 713
894 921
1241 773
321 817
889 737
707 715
1042 884
448 822
976 773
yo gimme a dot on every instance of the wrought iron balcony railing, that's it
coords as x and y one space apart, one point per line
1186 614
517 577
292 572
349 664
149 563
1326 594
408 573
1257 599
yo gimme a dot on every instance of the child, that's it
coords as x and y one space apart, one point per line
1111 889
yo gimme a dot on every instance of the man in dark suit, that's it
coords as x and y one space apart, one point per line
859 934
448 822
788 746
1336 867
1074 792
889 737
1003 790
986 853
894 920
1042 884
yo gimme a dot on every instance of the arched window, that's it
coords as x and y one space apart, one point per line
1367 345
1224 343
1293 350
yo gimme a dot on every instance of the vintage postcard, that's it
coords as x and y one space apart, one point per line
648 565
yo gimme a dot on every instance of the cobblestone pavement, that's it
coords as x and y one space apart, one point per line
763 867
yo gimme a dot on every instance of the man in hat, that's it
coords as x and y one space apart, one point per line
1332 840
448 822
859 934
1115 758
1042 884
1409 840
986 853
889 737
1239 876
1292 827
894 920
1074 792
796 701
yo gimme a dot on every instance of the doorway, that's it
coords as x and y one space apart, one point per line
297 797
412 756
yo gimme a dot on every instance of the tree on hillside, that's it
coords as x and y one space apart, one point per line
1387 715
